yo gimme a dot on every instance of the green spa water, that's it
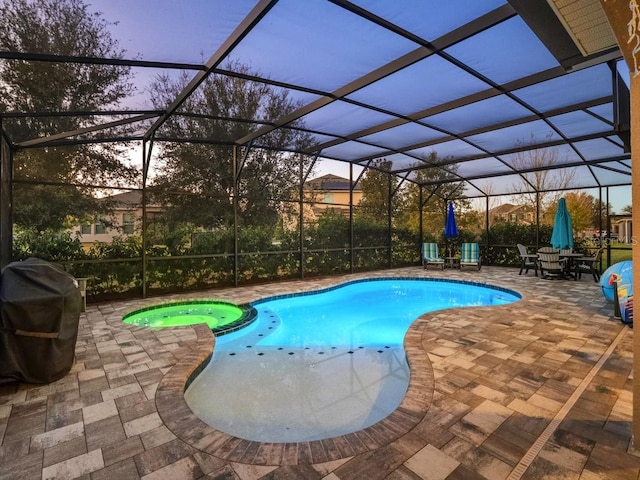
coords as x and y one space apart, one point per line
216 314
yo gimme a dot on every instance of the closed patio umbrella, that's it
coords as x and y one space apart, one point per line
450 227
562 234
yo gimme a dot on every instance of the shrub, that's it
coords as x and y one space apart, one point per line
503 238
49 245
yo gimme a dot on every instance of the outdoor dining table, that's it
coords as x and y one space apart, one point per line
570 257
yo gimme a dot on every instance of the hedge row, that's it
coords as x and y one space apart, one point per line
201 260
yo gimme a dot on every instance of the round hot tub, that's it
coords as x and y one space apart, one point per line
222 317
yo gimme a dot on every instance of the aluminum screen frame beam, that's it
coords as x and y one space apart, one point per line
42 141
6 198
423 51
241 31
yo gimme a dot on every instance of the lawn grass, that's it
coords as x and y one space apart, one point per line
619 253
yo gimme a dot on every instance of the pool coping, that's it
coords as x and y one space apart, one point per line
184 424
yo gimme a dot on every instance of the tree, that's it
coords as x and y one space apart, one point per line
375 186
435 196
196 179
490 201
599 214
542 175
62 27
580 206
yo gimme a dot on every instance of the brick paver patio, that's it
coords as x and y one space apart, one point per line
536 389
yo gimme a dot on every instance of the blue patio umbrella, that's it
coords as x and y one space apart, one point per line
450 227
562 235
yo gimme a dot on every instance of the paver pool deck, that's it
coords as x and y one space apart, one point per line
540 388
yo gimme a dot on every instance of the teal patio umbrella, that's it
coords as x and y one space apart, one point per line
562 234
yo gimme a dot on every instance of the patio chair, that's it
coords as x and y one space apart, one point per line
470 255
551 266
529 260
430 255
589 265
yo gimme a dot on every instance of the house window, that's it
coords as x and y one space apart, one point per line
327 198
85 229
127 223
100 228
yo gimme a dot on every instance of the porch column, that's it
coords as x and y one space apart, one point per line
625 23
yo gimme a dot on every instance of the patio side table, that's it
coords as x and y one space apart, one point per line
452 262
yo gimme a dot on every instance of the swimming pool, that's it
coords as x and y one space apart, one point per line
314 366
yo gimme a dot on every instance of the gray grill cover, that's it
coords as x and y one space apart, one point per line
40 311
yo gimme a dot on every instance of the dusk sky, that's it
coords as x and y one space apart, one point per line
318 45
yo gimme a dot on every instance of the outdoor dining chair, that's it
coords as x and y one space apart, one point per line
589 265
551 266
529 260
430 255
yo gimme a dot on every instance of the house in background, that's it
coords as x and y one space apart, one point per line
509 213
322 194
125 220
621 228
329 193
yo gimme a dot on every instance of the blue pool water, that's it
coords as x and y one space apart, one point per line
321 365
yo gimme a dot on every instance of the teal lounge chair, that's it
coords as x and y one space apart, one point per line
430 255
470 255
